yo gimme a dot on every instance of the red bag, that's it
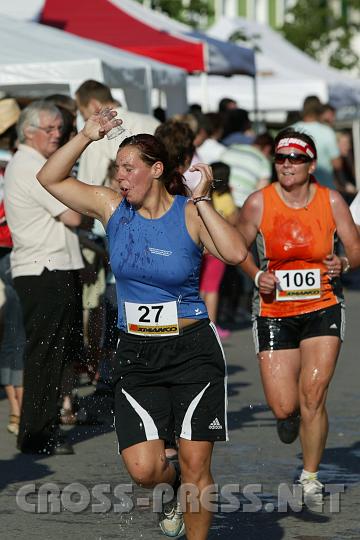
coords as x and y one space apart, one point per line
5 235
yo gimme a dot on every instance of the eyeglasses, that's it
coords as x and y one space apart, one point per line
50 129
293 158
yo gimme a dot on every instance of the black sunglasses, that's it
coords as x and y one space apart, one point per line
294 159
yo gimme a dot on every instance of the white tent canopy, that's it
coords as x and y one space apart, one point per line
223 57
25 10
285 75
274 94
37 59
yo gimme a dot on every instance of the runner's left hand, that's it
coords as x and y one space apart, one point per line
333 264
203 187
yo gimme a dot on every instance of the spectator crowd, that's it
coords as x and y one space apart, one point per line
58 307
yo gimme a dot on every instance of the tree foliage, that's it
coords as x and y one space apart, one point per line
193 13
319 30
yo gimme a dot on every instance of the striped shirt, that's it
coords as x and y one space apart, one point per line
248 166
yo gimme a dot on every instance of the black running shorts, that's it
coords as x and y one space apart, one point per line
167 385
273 334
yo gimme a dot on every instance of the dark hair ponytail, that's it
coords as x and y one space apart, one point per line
176 186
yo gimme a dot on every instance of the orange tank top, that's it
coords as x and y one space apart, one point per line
293 242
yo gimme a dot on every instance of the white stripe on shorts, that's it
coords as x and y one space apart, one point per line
151 431
256 336
212 325
186 425
343 321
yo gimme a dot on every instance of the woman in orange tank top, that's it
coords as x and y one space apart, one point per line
298 304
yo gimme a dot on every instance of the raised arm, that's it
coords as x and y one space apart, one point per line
219 237
55 175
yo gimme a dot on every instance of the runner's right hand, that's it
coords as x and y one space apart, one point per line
267 283
95 128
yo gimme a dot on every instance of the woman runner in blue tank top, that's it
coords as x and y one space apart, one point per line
169 372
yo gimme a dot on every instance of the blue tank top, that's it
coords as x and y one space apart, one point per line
155 260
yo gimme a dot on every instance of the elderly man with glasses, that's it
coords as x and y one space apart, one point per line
44 264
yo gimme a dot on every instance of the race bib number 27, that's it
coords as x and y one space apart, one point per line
152 319
298 284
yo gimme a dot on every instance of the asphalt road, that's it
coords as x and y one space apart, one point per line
254 461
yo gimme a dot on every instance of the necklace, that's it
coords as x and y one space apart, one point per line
297 206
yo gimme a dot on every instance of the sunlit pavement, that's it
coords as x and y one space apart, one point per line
85 489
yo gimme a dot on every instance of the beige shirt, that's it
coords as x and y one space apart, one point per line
40 240
95 159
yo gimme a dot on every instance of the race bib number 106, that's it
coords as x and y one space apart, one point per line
152 319
298 284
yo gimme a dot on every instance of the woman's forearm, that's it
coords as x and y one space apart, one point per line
249 266
353 256
230 244
59 165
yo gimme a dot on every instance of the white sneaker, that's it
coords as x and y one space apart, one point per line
171 519
312 492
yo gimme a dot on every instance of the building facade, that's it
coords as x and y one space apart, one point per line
270 12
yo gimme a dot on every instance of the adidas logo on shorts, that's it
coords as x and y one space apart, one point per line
215 424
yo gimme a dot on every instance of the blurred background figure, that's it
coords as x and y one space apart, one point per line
328 154
111 329
211 149
12 328
12 348
328 115
9 114
64 101
250 166
237 128
92 96
195 108
108 325
199 125
346 173
226 104
213 269
160 114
